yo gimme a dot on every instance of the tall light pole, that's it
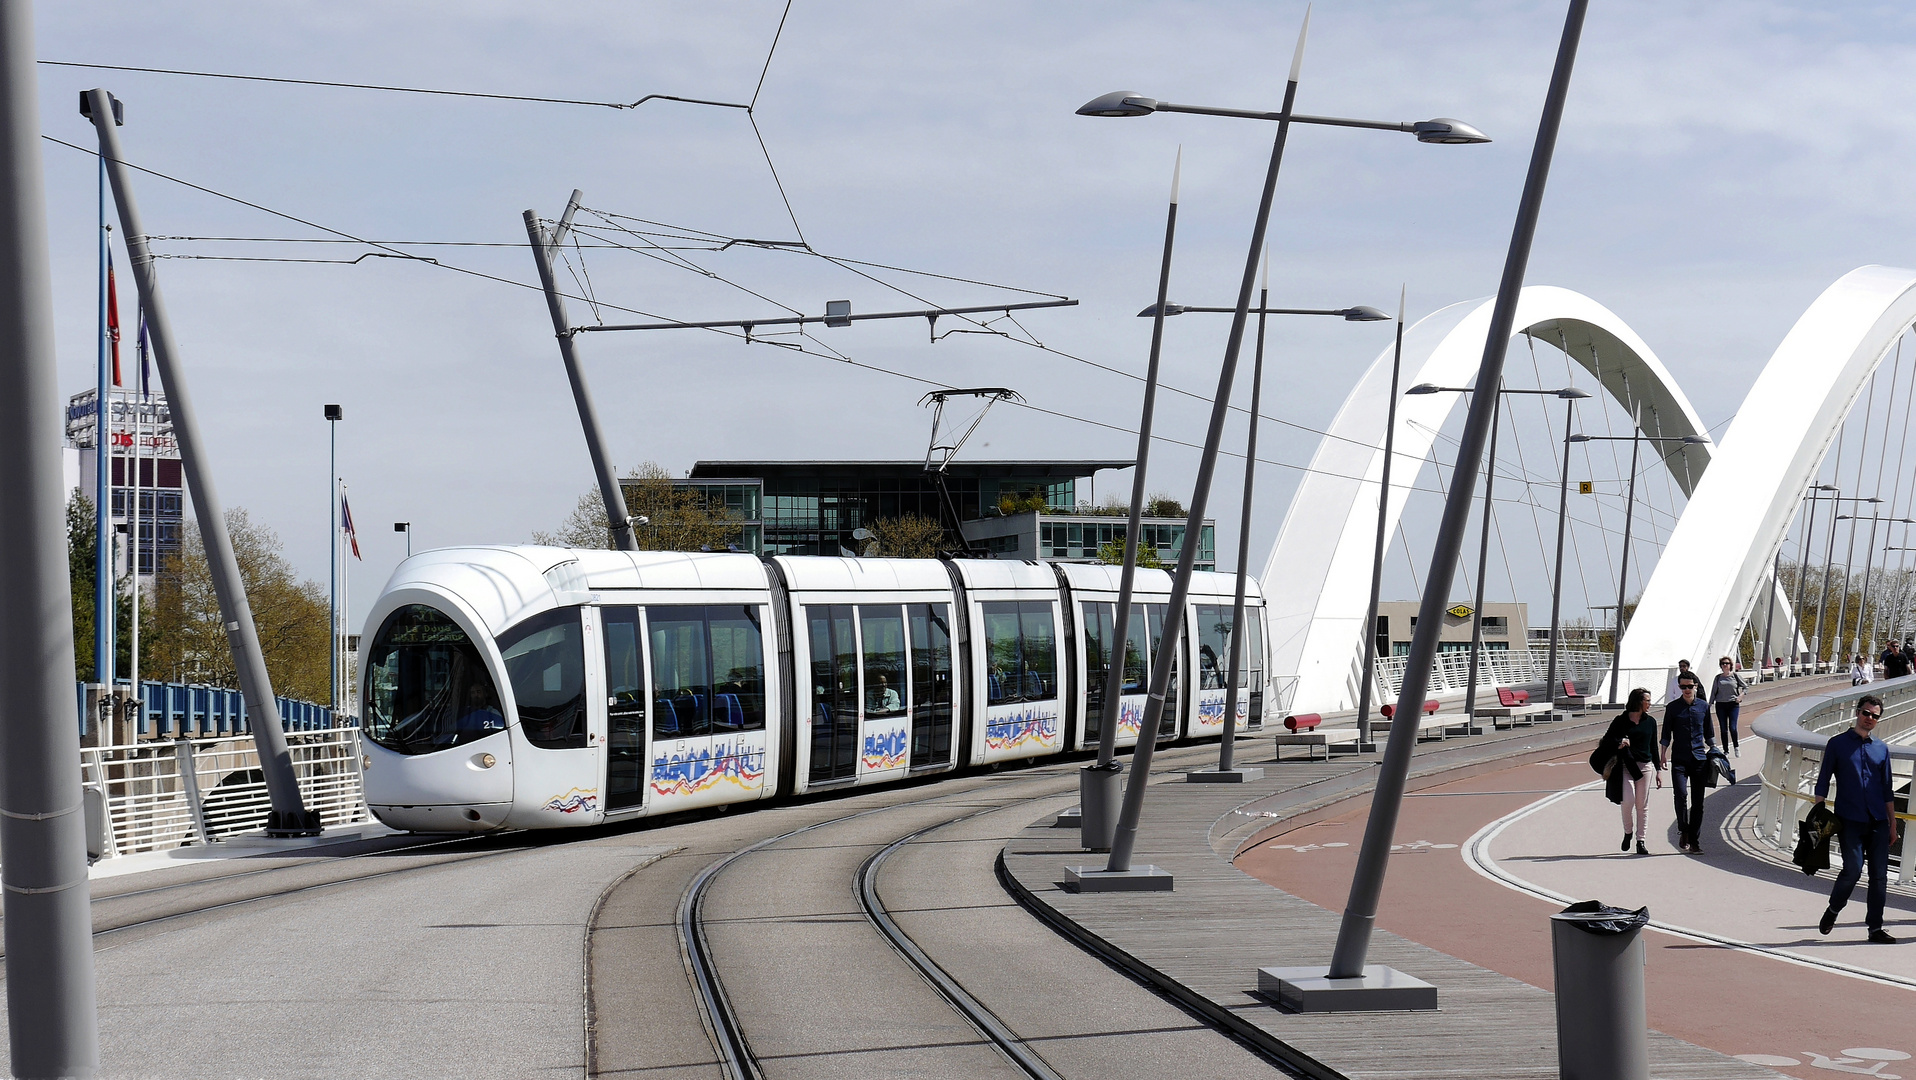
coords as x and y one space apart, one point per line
405 527
333 415
1226 772
1829 568
1636 439
1862 603
1556 575
1769 624
1369 671
52 1028
1802 577
1117 873
1568 393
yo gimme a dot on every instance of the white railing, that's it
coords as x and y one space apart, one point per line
163 794
1450 671
1796 732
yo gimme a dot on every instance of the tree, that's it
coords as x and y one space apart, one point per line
188 638
1111 553
1163 506
909 536
676 518
81 546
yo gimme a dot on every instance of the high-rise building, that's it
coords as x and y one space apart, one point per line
142 457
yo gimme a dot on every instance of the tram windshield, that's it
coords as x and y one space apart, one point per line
427 687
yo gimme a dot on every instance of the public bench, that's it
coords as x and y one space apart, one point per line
1429 720
1513 707
1307 730
1570 699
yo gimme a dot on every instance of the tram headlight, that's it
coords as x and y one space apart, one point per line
487 761
365 762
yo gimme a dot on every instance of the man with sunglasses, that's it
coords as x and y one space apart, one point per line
1865 812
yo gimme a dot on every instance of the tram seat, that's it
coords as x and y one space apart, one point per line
995 687
727 712
667 720
1034 685
823 720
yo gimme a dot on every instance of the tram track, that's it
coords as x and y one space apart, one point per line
720 1011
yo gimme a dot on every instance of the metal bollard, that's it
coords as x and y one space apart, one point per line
1602 1030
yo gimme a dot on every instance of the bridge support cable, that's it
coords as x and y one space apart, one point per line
289 816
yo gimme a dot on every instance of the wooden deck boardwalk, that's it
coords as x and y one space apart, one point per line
1204 942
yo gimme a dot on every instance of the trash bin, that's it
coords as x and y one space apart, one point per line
1602 1032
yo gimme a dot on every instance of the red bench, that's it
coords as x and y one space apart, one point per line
1306 729
1571 699
1430 709
1303 721
1510 699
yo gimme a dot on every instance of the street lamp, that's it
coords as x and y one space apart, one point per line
1117 873
333 416
1572 395
1802 575
1636 439
1225 772
1829 568
405 527
1869 563
1443 129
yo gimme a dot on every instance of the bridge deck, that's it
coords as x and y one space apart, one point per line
1205 940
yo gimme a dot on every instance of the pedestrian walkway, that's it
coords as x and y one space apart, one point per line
1205 941
1735 963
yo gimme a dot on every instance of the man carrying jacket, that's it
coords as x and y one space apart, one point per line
1687 742
1865 814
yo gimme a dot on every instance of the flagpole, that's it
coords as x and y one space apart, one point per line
102 488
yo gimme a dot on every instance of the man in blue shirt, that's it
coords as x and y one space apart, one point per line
1687 741
1866 812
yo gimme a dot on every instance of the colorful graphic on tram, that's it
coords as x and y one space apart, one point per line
737 763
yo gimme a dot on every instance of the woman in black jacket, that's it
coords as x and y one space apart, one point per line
1632 740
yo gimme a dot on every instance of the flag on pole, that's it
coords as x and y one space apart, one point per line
113 317
346 518
146 371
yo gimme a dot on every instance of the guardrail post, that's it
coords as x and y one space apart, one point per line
190 786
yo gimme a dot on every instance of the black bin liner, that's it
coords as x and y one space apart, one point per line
1599 918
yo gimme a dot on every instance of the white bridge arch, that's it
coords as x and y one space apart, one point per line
1317 579
1716 561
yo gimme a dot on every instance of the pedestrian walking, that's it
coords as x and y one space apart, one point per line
1726 697
1865 814
1676 690
1895 661
1631 744
1687 743
1859 671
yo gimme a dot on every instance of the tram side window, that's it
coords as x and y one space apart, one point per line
1021 654
1100 629
708 670
545 661
930 684
1214 645
624 682
883 626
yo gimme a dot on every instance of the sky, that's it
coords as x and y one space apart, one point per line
1719 166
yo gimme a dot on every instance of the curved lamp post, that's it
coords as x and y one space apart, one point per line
1636 439
1117 873
1226 772
1570 394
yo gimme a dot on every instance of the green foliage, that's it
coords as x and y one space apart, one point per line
910 536
1112 554
677 519
1163 506
81 547
1022 504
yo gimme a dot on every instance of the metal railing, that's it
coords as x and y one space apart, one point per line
1797 731
168 710
1450 671
156 795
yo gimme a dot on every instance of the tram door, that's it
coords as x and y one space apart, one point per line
1213 661
930 629
625 710
708 698
1173 696
833 636
1100 629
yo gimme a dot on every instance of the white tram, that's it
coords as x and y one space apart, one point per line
537 687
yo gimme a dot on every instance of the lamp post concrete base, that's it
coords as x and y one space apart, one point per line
1069 819
1090 879
1223 776
1312 990
1100 790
